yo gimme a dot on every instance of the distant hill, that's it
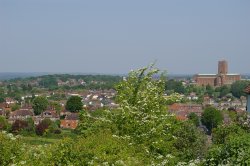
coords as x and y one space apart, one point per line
10 75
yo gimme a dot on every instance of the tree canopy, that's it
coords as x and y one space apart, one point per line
74 104
176 86
238 88
211 118
194 118
40 104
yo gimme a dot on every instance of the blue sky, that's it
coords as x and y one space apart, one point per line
183 37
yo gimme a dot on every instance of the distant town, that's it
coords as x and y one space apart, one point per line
97 92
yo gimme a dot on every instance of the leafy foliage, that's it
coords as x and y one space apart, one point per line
10 149
176 86
234 151
15 107
211 118
238 87
43 126
194 118
223 90
142 121
174 98
40 104
223 132
74 104
4 125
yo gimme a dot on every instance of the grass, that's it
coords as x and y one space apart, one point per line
36 140
48 139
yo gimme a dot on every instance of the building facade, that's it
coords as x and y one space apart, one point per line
219 79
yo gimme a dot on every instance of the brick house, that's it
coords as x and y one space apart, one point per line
70 121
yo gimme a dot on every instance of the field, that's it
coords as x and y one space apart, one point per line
48 139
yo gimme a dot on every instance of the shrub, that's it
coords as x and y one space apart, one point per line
57 131
4 125
234 151
223 132
10 149
43 126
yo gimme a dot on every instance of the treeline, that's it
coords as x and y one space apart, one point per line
15 88
235 90
51 81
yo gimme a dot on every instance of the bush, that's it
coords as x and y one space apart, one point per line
43 126
10 149
194 118
57 131
234 151
4 125
223 132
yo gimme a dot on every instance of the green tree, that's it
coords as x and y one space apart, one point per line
43 126
31 126
40 104
56 106
2 99
223 90
223 132
209 90
74 104
48 81
144 120
194 118
15 107
211 118
238 87
234 151
176 86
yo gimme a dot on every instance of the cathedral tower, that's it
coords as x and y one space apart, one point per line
222 67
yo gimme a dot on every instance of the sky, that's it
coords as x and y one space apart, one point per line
114 37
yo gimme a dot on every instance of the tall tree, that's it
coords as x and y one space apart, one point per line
74 104
211 118
238 87
40 104
175 86
194 118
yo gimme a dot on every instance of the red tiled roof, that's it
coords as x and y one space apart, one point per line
22 112
186 107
